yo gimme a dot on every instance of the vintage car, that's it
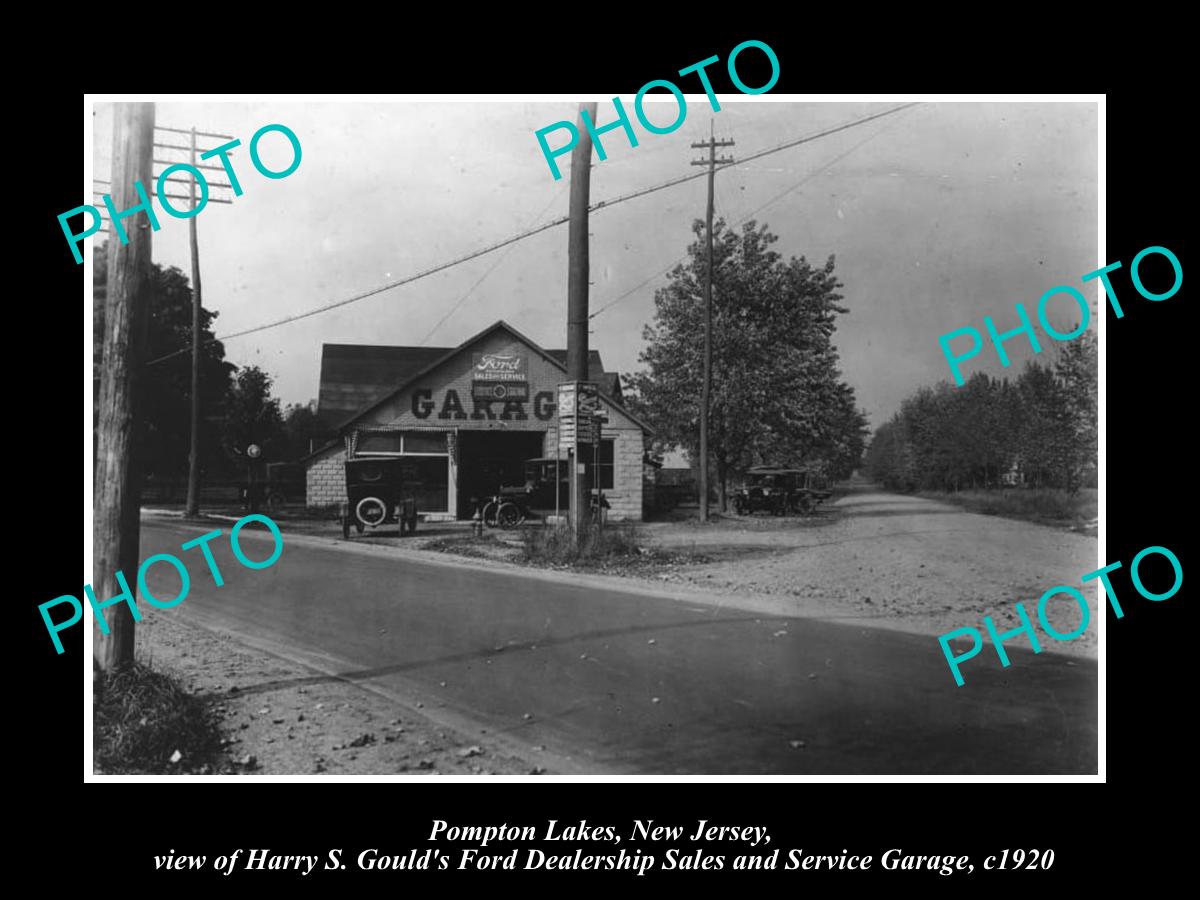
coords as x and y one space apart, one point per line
513 504
285 485
539 479
780 491
379 493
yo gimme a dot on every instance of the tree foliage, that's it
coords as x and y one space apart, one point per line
302 429
164 401
777 394
1039 430
253 416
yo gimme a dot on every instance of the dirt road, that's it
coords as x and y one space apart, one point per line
892 560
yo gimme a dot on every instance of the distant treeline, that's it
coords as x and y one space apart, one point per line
1039 430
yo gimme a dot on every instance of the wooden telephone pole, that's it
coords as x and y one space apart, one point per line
577 293
117 496
193 492
706 383
193 489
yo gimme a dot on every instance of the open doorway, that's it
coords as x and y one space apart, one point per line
489 460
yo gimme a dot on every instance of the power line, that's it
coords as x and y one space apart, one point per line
603 204
786 146
379 290
748 215
484 276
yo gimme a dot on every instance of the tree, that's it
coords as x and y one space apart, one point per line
253 416
165 423
1045 435
1042 426
777 395
1076 372
301 427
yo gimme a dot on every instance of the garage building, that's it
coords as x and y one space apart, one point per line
468 418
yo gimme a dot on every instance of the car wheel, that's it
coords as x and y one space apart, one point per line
806 505
370 511
508 515
489 513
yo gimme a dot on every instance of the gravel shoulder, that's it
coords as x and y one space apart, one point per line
280 718
894 561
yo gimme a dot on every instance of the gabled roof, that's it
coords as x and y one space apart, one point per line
595 366
354 376
357 378
610 382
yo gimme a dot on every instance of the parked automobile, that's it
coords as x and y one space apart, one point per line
513 503
780 491
379 493
285 484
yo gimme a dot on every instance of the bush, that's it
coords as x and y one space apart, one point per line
556 545
142 717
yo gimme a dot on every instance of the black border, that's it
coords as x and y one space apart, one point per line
1146 461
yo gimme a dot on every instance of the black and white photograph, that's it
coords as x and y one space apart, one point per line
524 437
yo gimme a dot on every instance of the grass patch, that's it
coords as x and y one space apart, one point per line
1046 506
556 545
616 548
143 717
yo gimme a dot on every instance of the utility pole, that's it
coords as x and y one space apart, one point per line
193 492
706 383
117 496
193 489
577 292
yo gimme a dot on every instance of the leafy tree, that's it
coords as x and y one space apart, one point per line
1043 432
301 427
777 395
164 404
253 416
1077 371
1042 427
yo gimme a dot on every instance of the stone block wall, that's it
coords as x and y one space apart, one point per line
326 479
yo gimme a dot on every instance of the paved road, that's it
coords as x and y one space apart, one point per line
608 680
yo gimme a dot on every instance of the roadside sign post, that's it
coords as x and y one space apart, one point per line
578 406
567 439
598 421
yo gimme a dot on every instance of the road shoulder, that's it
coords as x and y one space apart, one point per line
280 717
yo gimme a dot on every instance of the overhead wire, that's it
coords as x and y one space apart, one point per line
530 232
453 309
744 218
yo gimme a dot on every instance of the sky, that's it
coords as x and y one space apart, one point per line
937 215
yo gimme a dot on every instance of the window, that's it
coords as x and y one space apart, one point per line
395 443
425 442
378 442
606 464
